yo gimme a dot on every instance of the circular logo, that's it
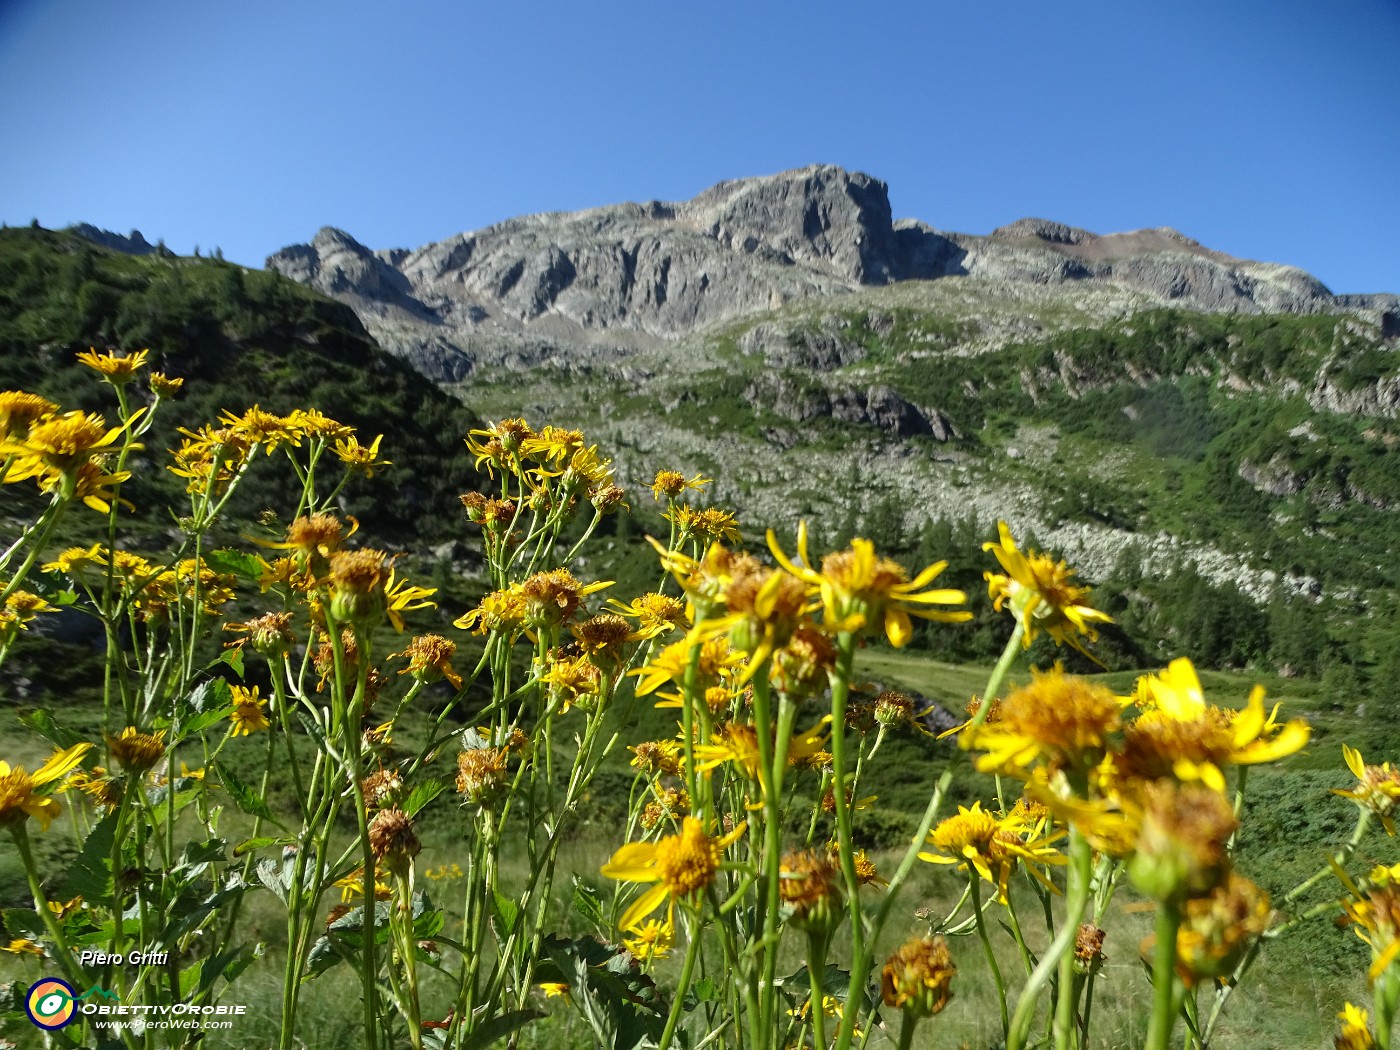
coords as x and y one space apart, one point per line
50 1003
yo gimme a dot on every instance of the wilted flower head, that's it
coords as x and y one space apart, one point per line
1218 929
481 774
1182 841
918 977
392 838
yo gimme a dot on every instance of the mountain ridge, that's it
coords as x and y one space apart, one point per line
621 277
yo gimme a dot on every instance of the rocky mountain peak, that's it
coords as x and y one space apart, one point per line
821 215
622 276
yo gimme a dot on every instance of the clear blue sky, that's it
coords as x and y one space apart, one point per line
1269 129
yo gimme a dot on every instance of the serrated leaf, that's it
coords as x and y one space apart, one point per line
504 913
43 722
210 695
196 853
422 794
91 874
23 922
589 904
235 563
232 658
244 797
270 875
426 926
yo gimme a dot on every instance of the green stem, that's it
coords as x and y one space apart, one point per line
998 675
1159 1031
692 952
975 884
1081 865
906 1031
1077 899
816 966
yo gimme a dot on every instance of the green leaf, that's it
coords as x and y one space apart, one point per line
43 722
249 845
235 563
244 797
421 795
23 922
232 658
202 721
91 874
213 695
589 904
504 913
196 853
499 1027
426 926
227 964
190 978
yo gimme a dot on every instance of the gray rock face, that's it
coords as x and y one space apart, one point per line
598 284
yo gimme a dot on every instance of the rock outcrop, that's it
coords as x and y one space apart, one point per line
610 280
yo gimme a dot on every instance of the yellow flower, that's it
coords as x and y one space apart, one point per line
164 386
22 946
19 799
737 742
551 445
59 445
1218 929
353 885
555 596
710 525
20 609
498 446
671 483
717 660
651 939
1378 789
497 610
104 790
574 681
18 410
554 989
135 751
681 865
1375 910
1041 594
1356 1030
117 369
430 658
359 458
861 592
866 872
1178 734
264 428
1058 718
93 485
313 422
657 756
247 716
991 845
